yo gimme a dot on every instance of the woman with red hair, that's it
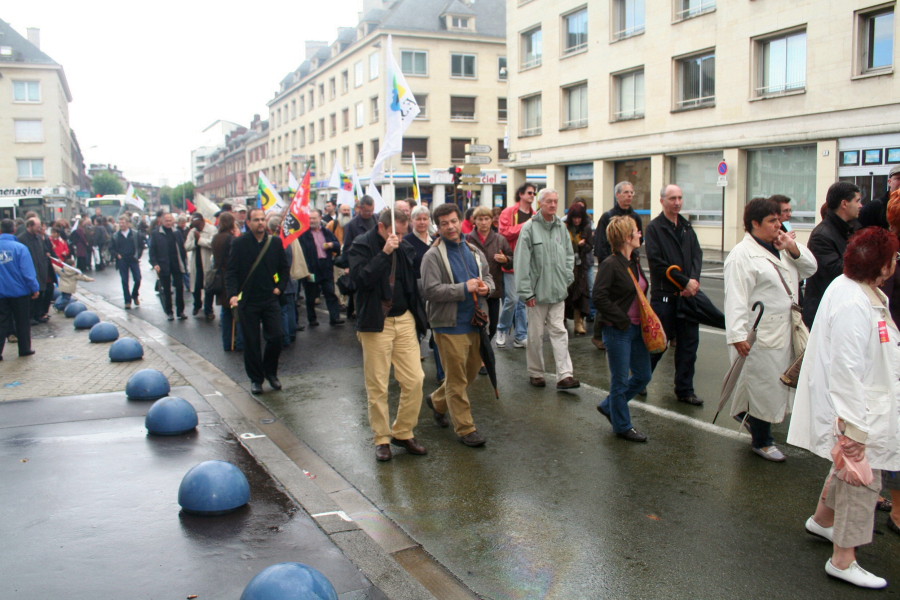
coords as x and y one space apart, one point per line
848 397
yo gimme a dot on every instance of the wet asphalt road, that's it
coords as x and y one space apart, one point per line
555 506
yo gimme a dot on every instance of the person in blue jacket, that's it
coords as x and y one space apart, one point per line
18 286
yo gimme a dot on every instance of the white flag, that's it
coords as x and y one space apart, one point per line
206 207
356 185
293 184
400 110
132 198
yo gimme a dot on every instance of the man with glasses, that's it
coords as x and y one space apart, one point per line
511 221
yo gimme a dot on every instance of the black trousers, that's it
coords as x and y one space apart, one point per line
687 336
166 280
252 314
326 287
15 318
201 296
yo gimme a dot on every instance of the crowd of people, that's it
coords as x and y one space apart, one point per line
512 277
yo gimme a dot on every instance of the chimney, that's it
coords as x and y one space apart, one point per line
34 36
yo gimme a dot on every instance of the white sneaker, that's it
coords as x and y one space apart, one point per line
826 533
856 575
501 339
770 453
520 343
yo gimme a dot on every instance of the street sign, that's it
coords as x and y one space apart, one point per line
722 181
477 160
723 168
469 187
470 178
477 148
471 170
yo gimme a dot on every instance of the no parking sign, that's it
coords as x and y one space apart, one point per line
723 169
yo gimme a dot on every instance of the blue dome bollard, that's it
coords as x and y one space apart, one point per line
170 416
212 488
126 350
147 384
288 580
86 319
74 308
103 331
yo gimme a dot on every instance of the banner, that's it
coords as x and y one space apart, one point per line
401 108
296 218
133 199
342 183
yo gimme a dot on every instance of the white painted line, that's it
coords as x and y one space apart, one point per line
713 330
339 513
251 436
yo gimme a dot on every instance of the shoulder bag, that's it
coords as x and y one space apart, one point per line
799 337
651 327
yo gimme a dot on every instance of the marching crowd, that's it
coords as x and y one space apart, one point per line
513 277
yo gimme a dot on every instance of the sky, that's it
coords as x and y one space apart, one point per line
148 78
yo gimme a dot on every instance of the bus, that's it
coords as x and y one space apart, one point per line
110 205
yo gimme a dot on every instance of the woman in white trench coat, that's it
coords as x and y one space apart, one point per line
752 272
849 379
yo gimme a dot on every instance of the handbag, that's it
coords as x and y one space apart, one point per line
799 338
651 327
214 281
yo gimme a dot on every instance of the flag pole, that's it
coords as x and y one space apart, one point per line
394 201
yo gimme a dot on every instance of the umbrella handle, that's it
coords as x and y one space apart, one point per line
670 278
762 309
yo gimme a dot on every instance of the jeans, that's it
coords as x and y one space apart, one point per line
512 306
760 431
226 320
132 266
627 354
289 318
63 301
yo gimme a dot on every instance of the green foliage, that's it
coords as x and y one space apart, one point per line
174 196
106 183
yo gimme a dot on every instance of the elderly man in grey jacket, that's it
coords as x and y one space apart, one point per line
545 268
454 274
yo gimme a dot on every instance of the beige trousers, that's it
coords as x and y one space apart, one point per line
462 360
552 319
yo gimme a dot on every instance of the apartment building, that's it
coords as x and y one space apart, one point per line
41 164
730 99
453 55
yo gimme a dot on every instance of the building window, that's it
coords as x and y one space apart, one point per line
414 62
459 22
502 72
629 95
360 156
374 64
532 48
576 31
696 81
333 156
373 108
358 74
360 114
29 131
302 136
375 148
422 101
293 109
462 65
345 119
26 91
782 64
321 129
312 99
576 106
302 105
345 156
332 121
876 40
501 110
321 164
696 175
321 94
312 132
458 150
788 170
462 108
345 82
531 116
30 168
628 18
332 89
685 9
417 146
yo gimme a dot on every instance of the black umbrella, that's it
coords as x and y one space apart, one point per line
480 320
698 308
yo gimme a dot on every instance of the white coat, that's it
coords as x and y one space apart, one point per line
750 275
203 246
850 371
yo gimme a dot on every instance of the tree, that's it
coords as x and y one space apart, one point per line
106 183
174 196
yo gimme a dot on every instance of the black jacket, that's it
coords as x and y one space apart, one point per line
131 247
323 269
875 213
263 281
39 246
614 290
370 270
827 242
601 244
667 245
161 253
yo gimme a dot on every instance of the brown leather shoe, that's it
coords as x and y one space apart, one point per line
568 383
411 445
439 418
383 452
473 439
598 343
537 381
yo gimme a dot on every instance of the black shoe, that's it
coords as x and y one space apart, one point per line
439 418
643 393
633 435
170 317
313 323
256 387
182 316
604 413
338 322
273 381
473 439
383 452
26 353
482 370
196 311
692 399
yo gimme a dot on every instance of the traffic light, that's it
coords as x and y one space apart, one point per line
456 173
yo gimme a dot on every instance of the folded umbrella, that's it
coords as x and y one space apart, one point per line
698 308
737 366
480 320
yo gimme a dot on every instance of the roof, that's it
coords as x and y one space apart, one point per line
424 15
26 53
457 7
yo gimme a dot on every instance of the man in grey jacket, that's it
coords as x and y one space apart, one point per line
545 268
454 274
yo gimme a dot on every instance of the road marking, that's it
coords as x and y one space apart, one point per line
251 436
339 513
711 330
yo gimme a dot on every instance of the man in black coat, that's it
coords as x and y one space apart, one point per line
168 258
320 246
624 192
361 223
41 250
670 240
127 247
828 241
255 292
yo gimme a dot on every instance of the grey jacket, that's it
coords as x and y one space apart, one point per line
442 293
544 261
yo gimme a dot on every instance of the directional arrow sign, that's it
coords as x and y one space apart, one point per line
477 160
468 187
471 170
471 179
477 148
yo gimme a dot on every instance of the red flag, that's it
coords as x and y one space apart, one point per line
296 220
190 206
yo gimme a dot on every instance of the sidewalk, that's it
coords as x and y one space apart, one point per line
91 499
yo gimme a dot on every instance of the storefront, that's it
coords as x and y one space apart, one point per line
866 161
580 185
